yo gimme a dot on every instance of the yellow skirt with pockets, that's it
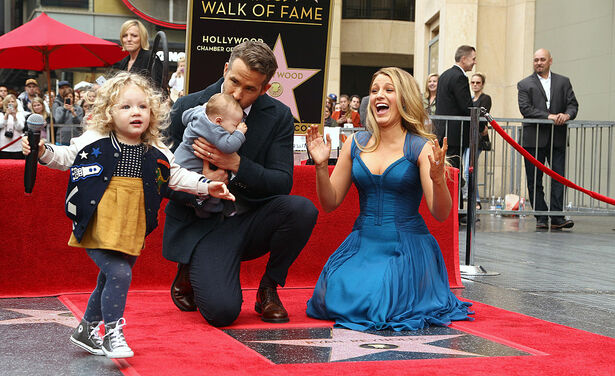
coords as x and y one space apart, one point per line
118 223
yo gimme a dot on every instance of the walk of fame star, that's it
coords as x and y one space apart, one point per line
347 344
322 345
41 316
286 79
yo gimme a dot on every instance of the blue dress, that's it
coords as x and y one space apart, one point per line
389 273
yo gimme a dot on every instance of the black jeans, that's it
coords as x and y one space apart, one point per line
281 227
557 163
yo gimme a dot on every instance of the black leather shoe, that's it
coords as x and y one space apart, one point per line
542 225
269 306
558 224
463 219
181 289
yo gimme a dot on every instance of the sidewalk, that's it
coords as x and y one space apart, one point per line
564 276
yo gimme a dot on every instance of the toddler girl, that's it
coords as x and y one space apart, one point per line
119 172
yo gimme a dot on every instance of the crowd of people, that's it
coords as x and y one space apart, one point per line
69 106
229 188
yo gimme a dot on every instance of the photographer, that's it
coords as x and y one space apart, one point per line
11 128
63 88
70 113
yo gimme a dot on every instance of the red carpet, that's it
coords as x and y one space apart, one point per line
169 342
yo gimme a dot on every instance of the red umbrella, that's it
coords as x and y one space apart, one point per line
44 44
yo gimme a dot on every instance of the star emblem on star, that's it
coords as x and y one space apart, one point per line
348 344
41 316
96 152
286 79
83 155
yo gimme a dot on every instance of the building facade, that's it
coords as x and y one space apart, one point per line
418 35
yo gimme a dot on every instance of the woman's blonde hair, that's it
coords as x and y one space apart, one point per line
143 34
409 105
40 100
426 94
5 102
482 76
107 98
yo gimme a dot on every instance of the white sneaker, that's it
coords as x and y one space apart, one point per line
114 344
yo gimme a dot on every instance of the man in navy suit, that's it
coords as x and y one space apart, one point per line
264 219
546 95
454 99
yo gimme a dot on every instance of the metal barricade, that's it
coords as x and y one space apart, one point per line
589 163
64 133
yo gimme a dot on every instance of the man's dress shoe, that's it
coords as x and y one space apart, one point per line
560 223
269 306
181 289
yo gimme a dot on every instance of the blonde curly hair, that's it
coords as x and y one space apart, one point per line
107 98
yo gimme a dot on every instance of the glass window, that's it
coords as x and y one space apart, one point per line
66 3
401 10
433 55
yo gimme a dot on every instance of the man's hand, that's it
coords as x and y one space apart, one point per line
559 119
217 175
208 152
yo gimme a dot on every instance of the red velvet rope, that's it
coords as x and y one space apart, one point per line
542 167
10 143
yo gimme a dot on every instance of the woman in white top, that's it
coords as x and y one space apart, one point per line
176 83
11 128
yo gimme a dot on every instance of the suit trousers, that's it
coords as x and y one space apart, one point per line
280 227
557 161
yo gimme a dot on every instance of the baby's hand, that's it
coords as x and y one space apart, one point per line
242 127
218 189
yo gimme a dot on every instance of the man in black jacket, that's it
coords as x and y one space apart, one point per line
546 95
265 219
453 99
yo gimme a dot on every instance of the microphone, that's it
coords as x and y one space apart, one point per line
35 123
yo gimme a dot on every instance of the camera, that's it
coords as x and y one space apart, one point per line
11 106
8 134
67 101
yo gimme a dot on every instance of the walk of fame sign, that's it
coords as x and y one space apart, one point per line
297 31
323 345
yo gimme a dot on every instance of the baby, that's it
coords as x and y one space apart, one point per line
219 121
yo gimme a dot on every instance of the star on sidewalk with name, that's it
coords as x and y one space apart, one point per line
347 344
41 316
286 79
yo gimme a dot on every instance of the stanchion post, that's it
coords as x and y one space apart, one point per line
471 216
469 268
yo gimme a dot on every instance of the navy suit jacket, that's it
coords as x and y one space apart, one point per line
533 105
265 170
453 99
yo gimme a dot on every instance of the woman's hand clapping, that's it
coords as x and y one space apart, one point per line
437 161
319 151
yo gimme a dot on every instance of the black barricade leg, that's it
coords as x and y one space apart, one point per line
469 268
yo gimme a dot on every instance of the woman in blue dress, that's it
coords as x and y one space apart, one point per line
389 273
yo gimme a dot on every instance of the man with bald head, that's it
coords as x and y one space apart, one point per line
546 95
